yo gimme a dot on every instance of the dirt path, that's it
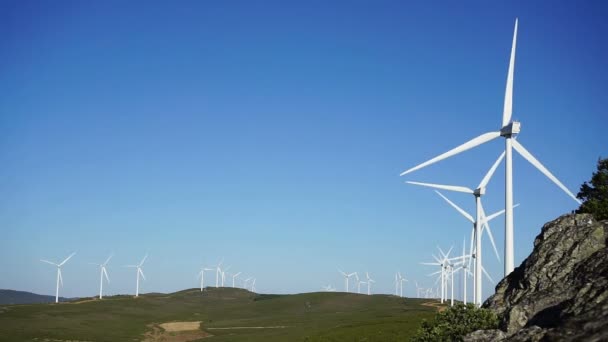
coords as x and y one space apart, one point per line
271 327
440 307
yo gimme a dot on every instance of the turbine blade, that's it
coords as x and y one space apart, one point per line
466 146
449 251
106 274
529 157
48 262
483 214
444 187
462 212
108 259
66 259
143 260
490 173
142 273
508 108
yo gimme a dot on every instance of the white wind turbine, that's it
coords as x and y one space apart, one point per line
369 281
328 288
442 263
102 270
201 275
59 278
477 193
218 273
224 274
359 282
234 278
138 273
253 285
509 131
401 281
346 277
397 281
484 225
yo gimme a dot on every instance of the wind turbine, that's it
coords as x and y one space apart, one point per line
477 193
369 281
359 282
328 288
397 275
102 270
218 273
346 277
234 277
509 131
401 280
253 285
478 229
224 274
59 278
201 274
138 273
442 263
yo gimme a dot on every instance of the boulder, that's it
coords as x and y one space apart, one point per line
560 292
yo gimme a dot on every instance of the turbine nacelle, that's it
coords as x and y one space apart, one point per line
510 130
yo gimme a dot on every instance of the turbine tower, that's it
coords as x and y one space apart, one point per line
138 273
369 281
59 278
509 131
102 270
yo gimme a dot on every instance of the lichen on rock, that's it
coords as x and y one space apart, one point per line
560 292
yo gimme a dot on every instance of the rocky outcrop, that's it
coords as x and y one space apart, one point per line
560 292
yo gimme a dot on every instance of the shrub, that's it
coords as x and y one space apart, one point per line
594 193
455 322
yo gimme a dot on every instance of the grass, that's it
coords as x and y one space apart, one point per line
319 316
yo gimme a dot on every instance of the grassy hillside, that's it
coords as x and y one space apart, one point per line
227 314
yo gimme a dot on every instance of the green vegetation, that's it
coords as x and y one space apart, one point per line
320 316
455 322
595 193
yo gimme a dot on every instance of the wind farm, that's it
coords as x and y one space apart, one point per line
285 171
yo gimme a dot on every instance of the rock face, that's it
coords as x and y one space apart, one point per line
560 292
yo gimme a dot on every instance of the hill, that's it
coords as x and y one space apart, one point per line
23 297
219 314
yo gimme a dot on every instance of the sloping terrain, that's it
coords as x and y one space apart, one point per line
225 314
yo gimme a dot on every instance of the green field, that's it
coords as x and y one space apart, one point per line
320 316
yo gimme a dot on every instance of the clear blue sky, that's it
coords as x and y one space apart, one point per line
272 134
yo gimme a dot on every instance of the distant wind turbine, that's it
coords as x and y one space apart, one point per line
59 278
201 275
102 270
234 277
138 273
346 277
369 281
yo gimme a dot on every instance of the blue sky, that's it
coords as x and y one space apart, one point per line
272 134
